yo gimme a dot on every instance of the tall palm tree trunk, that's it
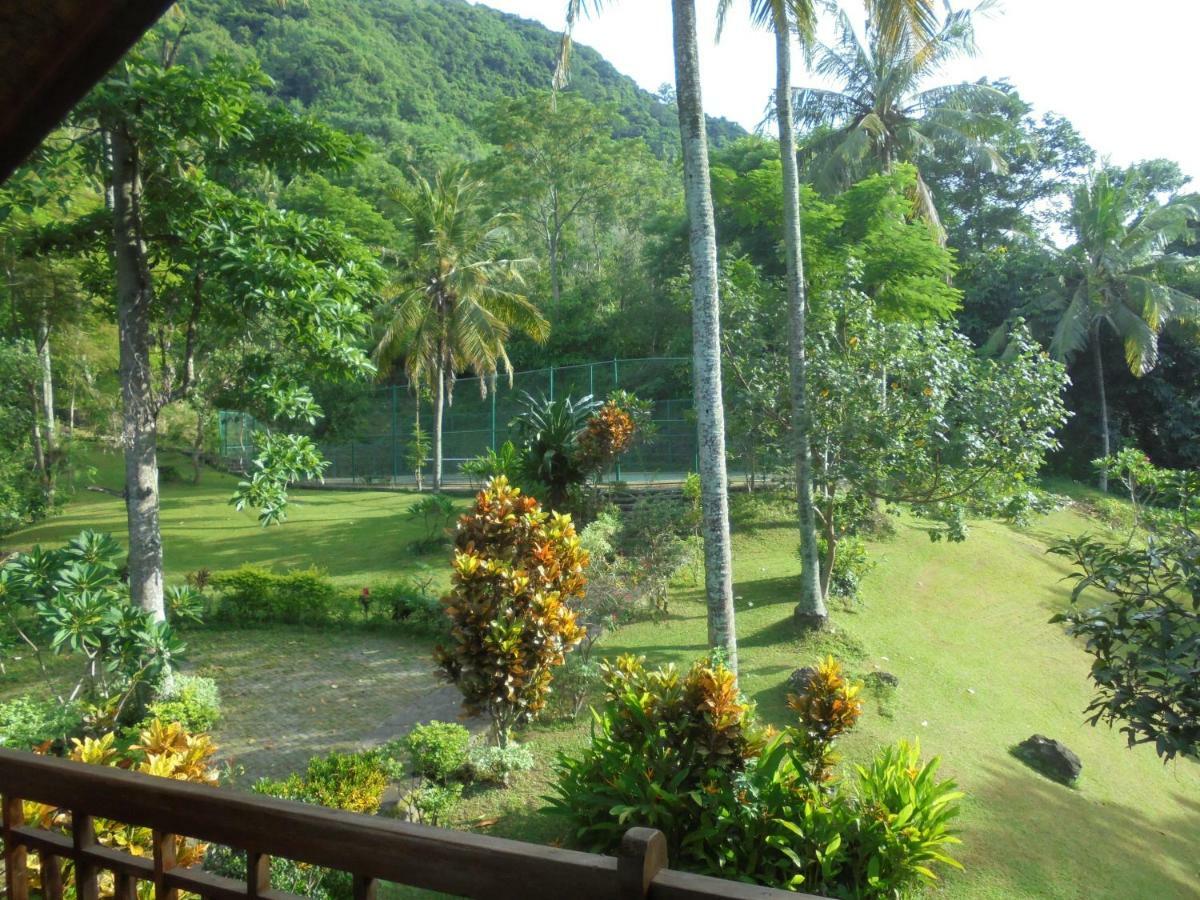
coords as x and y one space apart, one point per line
706 336
139 411
1105 441
810 611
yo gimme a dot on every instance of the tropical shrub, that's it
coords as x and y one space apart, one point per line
72 602
431 804
826 708
599 535
1158 498
436 514
26 723
191 700
851 564
496 765
1143 634
255 595
349 781
878 836
491 464
516 569
608 433
566 442
548 431
903 826
683 755
577 682
656 546
438 751
662 738
408 599
163 749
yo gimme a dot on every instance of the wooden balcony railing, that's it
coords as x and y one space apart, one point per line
372 849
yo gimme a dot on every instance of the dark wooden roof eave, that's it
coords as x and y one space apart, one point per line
51 54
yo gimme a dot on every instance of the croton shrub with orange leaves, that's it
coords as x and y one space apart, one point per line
826 708
609 432
517 568
664 738
682 753
164 749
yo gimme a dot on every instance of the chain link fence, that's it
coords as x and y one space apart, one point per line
477 421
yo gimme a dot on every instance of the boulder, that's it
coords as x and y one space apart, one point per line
799 679
1052 758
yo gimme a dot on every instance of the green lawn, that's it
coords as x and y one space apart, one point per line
356 536
964 626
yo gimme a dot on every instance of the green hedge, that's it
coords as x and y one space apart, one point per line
256 595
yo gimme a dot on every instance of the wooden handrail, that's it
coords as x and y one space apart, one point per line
370 847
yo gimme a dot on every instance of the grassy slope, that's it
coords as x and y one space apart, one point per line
947 619
964 627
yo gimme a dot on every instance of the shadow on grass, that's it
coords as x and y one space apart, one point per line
1073 839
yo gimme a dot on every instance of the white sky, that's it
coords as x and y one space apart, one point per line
1123 73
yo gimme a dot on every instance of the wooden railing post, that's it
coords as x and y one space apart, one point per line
643 855
258 874
164 861
16 869
52 885
83 835
364 888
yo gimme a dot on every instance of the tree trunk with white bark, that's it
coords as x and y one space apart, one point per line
706 337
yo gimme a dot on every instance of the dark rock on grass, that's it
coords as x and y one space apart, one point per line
798 681
882 680
1052 758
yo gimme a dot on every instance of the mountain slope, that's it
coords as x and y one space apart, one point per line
415 74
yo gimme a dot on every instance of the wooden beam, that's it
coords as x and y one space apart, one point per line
66 46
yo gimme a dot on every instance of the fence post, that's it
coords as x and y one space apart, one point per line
552 382
493 415
643 855
616 386
592 379
395 448
16 872
353 464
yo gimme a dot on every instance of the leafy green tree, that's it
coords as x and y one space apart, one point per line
457 298
1116 275
22 494
555 162
884 115
895 22
983 208
911 414
181 151
1142 630
41 299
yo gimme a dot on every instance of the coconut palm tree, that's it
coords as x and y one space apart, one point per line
1112 276
706 336
895 22
883 115
457 298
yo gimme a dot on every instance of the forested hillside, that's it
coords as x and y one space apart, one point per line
416 74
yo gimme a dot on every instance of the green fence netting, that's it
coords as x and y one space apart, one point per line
378 453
